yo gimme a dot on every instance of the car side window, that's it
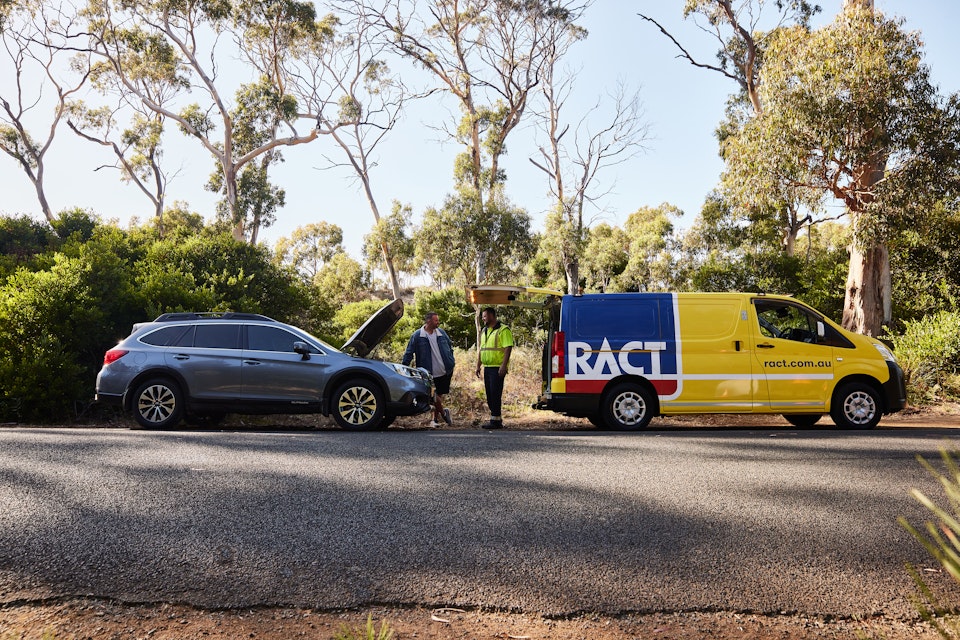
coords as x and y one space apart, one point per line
217 336
272 339
167 336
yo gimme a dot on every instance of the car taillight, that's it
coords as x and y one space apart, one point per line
557 353
113 355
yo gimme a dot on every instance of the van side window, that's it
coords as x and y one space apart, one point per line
786 321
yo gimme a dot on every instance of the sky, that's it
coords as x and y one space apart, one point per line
679 165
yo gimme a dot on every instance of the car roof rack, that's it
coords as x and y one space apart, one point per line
211 315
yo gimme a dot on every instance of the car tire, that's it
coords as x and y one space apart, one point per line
358 405
158 404
856 405
802 420
627 407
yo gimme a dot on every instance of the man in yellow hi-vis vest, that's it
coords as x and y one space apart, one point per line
493 355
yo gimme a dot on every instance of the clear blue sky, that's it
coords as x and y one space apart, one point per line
682 106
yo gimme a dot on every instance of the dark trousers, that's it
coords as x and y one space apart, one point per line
493 384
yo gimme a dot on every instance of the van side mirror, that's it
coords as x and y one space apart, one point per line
821 330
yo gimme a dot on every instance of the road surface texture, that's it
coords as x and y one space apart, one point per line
758 531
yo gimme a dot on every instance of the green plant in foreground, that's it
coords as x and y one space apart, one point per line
367 633
942 540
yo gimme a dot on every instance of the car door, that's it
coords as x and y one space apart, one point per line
272 372
207 356
796 363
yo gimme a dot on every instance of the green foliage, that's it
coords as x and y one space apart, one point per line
22 241
928 350
942 540
462 238
348 318
75 224
54 327
369 632
394 230
237 276
926 261
342 279
457 317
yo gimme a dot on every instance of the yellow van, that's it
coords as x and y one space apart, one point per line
621 359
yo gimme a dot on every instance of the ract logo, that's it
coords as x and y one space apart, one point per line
589 367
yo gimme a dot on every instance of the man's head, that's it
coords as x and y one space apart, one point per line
489 316
431 320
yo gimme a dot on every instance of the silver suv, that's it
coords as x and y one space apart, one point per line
201 366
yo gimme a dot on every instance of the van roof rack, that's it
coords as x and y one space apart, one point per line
210 315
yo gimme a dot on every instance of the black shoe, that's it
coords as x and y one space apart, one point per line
493 424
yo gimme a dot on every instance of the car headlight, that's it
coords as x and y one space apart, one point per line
885 352
410 372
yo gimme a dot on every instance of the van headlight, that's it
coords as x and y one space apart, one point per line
885 352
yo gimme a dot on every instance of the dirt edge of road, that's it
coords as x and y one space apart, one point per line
77 619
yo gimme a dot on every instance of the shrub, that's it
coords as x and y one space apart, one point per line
928 350
942 540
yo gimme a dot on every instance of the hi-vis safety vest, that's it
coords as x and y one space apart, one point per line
493 344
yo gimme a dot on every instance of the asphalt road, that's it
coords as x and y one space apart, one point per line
765 520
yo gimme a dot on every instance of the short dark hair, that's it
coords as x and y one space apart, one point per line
430 314
489 310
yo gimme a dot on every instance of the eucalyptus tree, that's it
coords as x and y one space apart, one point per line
489 55
742 30
39 41
310 247
275 44
572 163
393 230
371 102
850 114
453 241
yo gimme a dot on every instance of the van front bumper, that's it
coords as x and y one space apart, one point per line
895 389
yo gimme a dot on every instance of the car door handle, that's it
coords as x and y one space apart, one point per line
764 345
181 356
251 362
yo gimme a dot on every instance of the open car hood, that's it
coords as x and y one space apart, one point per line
369 335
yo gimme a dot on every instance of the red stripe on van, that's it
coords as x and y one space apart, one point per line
662 387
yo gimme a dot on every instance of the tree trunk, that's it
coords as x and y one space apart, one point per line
572 269
384 249
866 304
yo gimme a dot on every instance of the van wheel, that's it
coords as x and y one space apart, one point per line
802 420
358 405
627 407
158 404
856 406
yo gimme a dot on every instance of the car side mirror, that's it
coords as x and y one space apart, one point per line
303 349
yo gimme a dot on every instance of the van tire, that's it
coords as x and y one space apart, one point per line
627 407
802 420
856 405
